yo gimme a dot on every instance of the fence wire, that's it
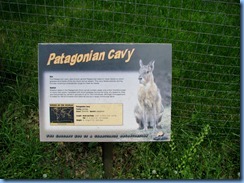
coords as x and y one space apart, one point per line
205 37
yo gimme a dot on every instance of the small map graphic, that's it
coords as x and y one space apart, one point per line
61 114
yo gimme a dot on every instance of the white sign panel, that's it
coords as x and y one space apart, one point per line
105 92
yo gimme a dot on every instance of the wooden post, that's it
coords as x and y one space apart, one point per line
107 155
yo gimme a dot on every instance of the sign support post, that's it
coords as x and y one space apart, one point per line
107 156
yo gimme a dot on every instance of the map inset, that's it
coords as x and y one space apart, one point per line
61 114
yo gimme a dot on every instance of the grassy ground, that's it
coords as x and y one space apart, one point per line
205 91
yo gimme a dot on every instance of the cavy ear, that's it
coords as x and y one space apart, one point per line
141 64
151 64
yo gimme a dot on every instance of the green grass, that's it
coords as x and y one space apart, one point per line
205 88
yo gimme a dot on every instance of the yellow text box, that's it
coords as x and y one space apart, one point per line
98 114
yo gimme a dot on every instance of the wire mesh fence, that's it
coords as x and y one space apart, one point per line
205 37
